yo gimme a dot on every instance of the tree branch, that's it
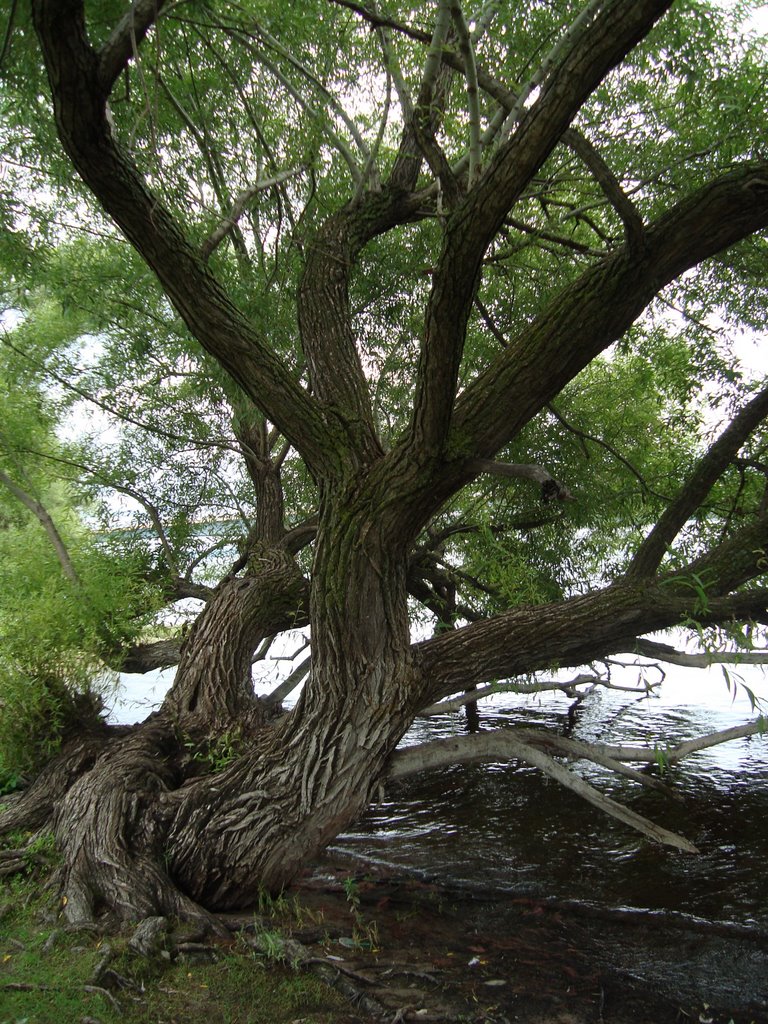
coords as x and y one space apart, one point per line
124 41
709 469
614 193
670 755
222 330
504 745
579 68
141 658
550 488
600 306
379 21
576 631
603 444
42 515
663 652
473 101
571 38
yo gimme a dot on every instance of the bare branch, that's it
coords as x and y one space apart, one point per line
503 745
578 750
651 755
444 706
706 659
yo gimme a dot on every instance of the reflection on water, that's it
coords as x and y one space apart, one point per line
507 826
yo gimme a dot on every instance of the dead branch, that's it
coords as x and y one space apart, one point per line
503 745
550 488
443 706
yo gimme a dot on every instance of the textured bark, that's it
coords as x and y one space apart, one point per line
213 680
256 824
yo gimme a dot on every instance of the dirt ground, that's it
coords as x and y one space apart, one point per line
412 951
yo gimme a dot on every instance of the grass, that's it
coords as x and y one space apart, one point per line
47 977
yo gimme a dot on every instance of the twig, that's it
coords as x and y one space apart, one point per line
238 209
473 101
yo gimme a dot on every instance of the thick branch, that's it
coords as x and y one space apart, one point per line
580 629
124 41
577 72
709 469
149 657
598 308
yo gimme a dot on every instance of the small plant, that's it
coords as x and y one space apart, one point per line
662 760
272 906
365 934
218 754
272 945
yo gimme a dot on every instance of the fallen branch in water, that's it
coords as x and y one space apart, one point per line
506 744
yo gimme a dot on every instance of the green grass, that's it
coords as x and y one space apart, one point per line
241 987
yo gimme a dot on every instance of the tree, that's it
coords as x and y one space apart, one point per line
413 276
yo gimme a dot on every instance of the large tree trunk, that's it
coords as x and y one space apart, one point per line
255 825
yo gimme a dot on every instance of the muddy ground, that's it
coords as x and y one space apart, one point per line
410 950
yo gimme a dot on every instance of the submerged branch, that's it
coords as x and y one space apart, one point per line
505 745
669 755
